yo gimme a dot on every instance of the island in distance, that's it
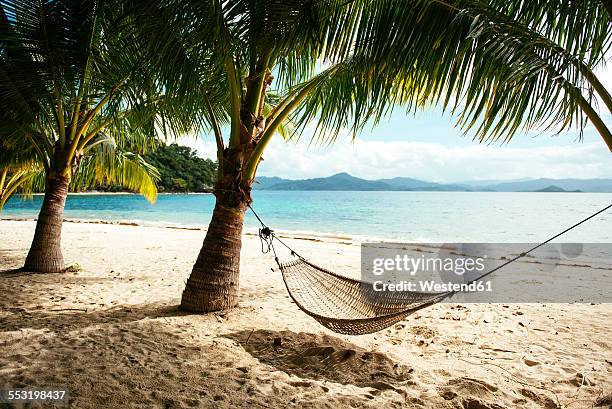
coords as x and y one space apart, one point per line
344 181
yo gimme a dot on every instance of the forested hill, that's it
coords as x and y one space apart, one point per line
181 170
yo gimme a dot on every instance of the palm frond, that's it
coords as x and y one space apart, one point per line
106 164
463 54
287 128
24 181
70 69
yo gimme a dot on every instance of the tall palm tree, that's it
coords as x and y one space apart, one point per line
500 67
76 82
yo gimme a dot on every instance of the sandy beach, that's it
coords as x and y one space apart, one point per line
113 335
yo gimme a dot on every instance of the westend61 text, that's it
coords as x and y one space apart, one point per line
431 286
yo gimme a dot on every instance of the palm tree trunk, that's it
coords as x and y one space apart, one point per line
213 284
45 254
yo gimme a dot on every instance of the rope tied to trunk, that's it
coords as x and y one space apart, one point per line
267 237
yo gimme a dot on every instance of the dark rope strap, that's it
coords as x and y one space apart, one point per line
267 236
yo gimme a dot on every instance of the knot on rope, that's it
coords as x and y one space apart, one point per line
266 236
265 232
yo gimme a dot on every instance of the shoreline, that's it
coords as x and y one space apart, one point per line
312 235
249 231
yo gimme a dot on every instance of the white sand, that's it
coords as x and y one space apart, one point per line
112 334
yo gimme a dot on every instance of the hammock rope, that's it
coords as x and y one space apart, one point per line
352 307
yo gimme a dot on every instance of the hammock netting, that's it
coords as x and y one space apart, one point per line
353 307
349 306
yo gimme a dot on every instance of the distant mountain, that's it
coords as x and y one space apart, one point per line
585 185
489 182
339 181
264 182
344 181
407 183
553 188
403 183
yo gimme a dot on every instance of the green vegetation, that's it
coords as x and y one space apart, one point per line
171 168
181 170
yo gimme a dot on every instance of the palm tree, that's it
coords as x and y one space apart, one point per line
77 89
500 67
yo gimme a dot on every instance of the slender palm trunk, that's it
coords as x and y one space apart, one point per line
45 254
214 281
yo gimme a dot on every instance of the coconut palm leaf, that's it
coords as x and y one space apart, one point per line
498 76
71 68
23 182
106 164
499 67
580 27
11 182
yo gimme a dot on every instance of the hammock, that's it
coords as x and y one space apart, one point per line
345 305
352 307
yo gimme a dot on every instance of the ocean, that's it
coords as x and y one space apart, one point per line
407 216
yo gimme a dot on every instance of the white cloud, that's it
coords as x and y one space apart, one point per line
429 161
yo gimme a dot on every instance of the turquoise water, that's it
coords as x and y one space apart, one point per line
410 216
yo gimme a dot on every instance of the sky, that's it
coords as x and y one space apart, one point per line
427 146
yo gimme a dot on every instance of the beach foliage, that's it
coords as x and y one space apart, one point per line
102 166
182 170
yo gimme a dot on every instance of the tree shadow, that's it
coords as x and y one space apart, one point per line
22 272
324 358
37 292
69 319
14 272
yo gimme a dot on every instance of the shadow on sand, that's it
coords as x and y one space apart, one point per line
324 358
62 320
154 355
129 357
